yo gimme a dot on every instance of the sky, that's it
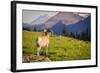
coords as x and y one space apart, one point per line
31 15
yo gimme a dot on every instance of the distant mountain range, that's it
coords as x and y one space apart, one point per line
63 21
79 27
66 17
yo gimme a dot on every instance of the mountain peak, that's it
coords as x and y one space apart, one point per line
66 17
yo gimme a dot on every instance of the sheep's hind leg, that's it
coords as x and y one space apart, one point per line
46 50
38 51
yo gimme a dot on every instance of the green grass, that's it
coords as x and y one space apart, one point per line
60 48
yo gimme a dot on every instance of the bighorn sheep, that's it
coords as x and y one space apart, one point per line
43 42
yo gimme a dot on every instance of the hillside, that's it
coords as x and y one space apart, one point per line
60 48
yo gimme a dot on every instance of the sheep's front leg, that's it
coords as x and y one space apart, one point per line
38 51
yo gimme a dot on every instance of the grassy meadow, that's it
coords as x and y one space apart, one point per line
61 48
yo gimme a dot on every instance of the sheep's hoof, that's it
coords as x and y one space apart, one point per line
38 55
46 55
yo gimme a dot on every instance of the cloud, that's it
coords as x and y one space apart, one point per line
84 14
30 15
